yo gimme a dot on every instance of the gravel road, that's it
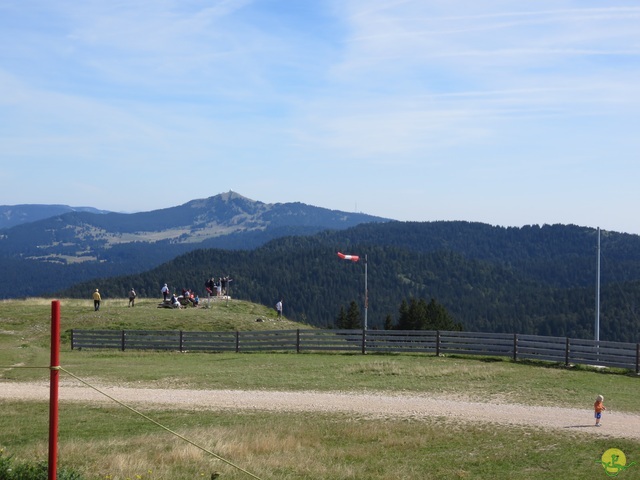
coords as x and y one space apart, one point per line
615 424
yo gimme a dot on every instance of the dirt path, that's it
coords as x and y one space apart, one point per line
615 424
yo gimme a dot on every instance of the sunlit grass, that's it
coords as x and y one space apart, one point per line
306 446
108 442
464 378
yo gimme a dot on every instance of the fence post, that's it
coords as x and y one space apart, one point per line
515 347
72 339
122 340
237 341
298 340
364 341
637 358
181 342
566 353
437 343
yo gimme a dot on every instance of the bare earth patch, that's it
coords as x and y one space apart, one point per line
615 424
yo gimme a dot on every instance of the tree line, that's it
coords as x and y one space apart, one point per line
413 314
479 289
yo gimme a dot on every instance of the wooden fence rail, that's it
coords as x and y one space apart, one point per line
516 346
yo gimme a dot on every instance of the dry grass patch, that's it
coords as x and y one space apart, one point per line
277 446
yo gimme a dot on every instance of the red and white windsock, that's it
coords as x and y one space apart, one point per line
353 258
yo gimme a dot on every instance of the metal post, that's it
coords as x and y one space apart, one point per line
355 258
366 294
53 394
597 326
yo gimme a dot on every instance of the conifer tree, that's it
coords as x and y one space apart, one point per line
388 322
341 320
354 319
438 318
418 315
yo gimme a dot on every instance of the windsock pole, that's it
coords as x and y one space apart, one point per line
366 293
355 258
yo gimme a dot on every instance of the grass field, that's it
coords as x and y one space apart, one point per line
112 443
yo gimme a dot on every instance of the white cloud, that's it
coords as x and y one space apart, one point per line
419 98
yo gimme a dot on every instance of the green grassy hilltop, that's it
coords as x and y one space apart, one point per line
110 442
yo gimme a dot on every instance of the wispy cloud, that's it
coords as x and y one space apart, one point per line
405 92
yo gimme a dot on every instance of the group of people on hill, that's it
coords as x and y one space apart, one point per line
189 297
218 288
186 298
214 288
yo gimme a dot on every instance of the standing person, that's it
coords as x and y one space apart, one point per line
132 298
96 300
279 308
599 408
165 292
209 285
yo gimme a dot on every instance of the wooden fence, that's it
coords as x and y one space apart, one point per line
515 346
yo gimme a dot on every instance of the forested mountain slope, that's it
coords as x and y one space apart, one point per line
538 280
61 250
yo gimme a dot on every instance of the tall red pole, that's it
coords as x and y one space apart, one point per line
53 395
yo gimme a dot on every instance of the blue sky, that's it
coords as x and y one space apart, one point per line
504 112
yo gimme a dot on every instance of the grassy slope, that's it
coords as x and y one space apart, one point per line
111 442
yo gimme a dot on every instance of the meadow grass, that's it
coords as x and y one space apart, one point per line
112 443
105 442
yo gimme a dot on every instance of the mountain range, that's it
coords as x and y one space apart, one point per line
12 215
49 247
532 279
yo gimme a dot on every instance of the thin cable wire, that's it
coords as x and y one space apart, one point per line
23 366
159 424
142 415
